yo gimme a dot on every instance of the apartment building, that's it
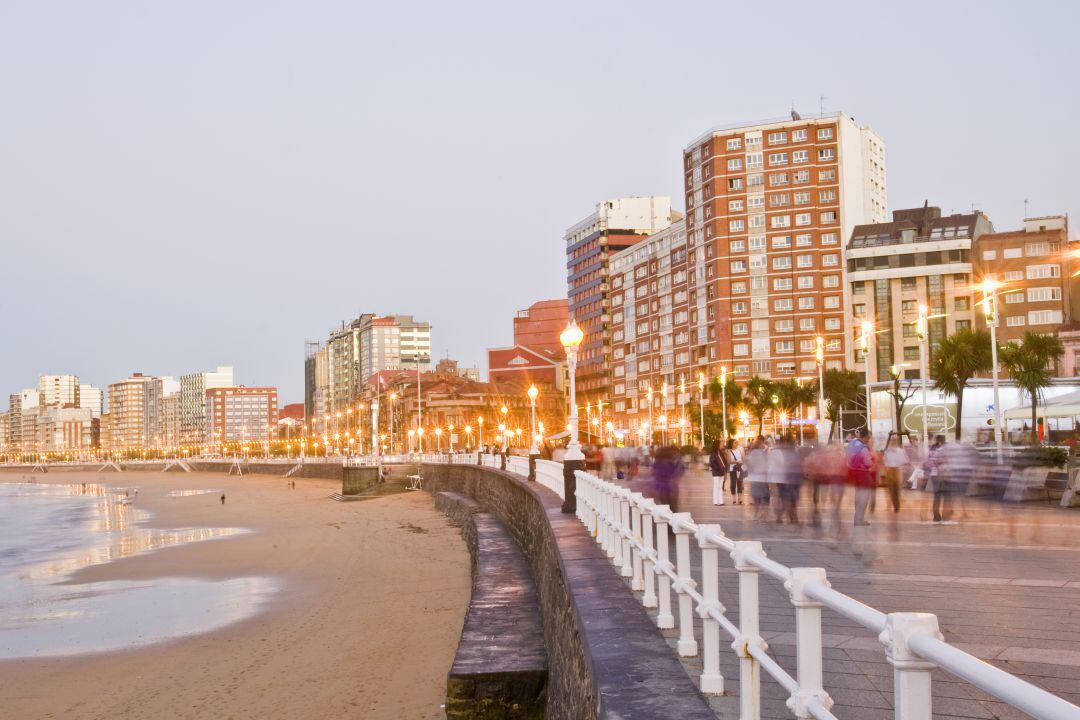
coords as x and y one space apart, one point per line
59 390
63 428
171 435
537 355
539 325
769 205
653 343
240 414
393 342
24 400
1036 267
616 225
92 398
135 413
920 258
316 379
193 387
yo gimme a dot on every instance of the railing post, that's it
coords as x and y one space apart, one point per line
712 682
911 674
807 642
687 645
636 582
664 619
749 672
608 518
625 533
648 553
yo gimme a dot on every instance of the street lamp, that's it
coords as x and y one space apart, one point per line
865 345
393 397
650 414
682 409
701 406
480 431
420 439
819 357
723 399
438 439
571 338
532 393
989 288
921 331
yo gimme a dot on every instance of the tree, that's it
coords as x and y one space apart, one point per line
958 358
900 396
842 388
759 392
1029 363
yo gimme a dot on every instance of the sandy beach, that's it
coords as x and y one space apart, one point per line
365 624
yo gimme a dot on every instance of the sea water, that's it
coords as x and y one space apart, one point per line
48 532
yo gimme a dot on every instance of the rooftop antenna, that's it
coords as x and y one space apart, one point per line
821 105
1026 208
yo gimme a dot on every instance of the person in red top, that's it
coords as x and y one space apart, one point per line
862 473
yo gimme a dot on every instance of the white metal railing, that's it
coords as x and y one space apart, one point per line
633 531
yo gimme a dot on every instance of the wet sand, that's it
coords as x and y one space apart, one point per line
365 624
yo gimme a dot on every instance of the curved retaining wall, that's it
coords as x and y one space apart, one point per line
606 658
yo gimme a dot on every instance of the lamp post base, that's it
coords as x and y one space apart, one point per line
533 457
570 467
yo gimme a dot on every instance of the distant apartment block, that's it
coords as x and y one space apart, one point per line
135 413
59 390
92 398
920 258
193 387
1036 267
769 206
240 414
590 243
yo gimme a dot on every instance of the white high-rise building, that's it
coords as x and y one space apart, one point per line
92 398
59 390
193 389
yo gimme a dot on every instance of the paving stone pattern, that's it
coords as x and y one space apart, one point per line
1004 581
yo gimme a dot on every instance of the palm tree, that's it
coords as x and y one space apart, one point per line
958 358
842 387
759 392
1029 363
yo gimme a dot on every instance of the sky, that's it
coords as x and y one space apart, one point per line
186 185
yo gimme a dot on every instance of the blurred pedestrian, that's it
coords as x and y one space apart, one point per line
733 457
757 466
937 478
861 475
895 462
667 470
719 470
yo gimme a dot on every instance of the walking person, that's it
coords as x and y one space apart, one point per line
719 470
757 465
860 465
222 498
895 460
733 456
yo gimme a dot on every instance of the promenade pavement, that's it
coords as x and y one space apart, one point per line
1004 581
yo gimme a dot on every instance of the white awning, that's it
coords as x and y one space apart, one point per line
1062 406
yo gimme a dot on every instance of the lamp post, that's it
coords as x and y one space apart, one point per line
438 439
574 460
420 439
701 407
532 393
865 345
393 397
723 400
450 437
819 357
650 415
682 409
921 330
989 289
480 426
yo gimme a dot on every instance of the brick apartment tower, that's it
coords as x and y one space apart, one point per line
616 225
769 208
1035 266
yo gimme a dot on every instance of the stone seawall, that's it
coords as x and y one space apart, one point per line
606 658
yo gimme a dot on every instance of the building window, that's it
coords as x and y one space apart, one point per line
911 353
781 263
828 217
963 325
825 133
804 261
753 161
781 242
777 179
778 158
739 287
1039 272
1037 248
785 368
777 138
828 238
756 203
1013 275
781 221
798 135
800 156
806 324
989 254
1017 297
757 243
802 219
785 346
785 325
1015 320
1011 253
757 262
740 349
781 283
782 304
779 200
830 281
806 303
734 184
827 196
1043 294
826 155
832 323
758 221
1044 317
739 328
738 246
802 198
832 301
738 308
806 282
734 164
734 143
736 225
826 176
830 260
735 206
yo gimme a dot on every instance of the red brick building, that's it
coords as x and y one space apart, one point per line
240 414
539 326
